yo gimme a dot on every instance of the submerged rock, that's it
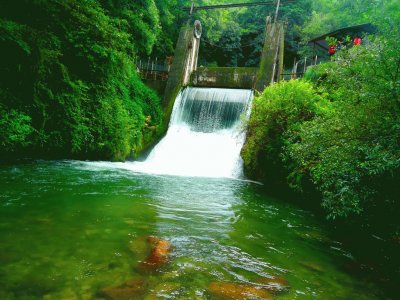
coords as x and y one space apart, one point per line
274 284
159 254
232 291
131 289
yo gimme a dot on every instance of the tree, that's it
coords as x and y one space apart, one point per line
71 77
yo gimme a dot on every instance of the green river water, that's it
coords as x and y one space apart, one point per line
70 229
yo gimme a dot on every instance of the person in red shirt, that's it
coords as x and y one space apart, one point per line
332 50
357 41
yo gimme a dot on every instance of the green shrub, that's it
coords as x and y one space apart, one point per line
339 128
352 154
15 129
280 109
69 68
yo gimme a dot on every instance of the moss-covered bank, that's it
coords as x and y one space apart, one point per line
69 88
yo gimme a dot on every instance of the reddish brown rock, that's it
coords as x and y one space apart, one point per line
232 291
159 254
132 289
274 284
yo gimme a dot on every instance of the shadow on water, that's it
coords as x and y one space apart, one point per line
357 252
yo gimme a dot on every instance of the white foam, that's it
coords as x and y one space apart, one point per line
188 151
204 137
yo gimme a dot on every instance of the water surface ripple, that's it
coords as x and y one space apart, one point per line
70 229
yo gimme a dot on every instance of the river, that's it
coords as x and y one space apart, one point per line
70 229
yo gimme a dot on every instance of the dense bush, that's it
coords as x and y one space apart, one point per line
15 129
280 109
67 72
352 153
346 140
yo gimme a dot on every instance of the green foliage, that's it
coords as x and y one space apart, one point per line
69 69
252 22
349 144
235 36
327 16
229 54
351 151
330 15
170 20
279 110
138 18
15 129
331 41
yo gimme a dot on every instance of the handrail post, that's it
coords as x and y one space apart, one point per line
277 10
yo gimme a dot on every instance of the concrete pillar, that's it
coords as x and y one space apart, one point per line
271 64
184 63
281 52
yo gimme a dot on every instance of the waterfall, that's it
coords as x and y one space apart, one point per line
204 137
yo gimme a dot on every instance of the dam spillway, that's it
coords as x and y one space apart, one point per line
205 135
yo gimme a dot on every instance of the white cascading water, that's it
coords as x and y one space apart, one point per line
204 137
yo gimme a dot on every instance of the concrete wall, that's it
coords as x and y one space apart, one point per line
185 61
184 67
243 78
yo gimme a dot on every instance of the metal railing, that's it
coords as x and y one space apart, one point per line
300 67
153 69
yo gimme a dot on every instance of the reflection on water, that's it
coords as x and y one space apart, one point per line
72 230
